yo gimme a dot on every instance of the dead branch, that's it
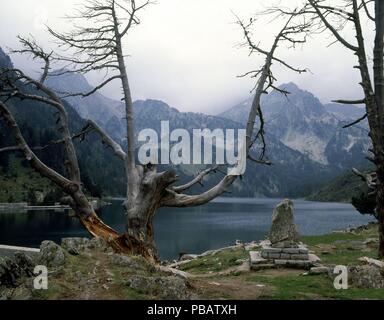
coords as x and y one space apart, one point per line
265 81
369 178
356 121
360 101
50 99
106 139
197 180
29 46
174 199
9 149
35 162
323 16
364 4
89 93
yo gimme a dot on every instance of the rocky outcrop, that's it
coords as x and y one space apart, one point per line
367 277
14 269
51 255
171 288
373 262
74 245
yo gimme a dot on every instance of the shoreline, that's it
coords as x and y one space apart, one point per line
14 248
107 200
24 207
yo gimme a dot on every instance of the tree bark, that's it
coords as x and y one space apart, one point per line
380 208
378 68
141 209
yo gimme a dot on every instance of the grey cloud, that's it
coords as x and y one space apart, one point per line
185 52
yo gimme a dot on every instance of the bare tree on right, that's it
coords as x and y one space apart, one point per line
335 17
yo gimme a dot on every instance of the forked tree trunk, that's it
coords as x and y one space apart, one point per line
141 209
138 238
381 234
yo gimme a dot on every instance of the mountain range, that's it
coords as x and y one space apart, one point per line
37 121
302 123
305 139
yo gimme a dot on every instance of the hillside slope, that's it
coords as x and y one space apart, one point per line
340 189
37 122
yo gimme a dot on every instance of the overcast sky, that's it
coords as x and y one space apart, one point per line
186 52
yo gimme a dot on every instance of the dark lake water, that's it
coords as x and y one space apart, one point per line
191 230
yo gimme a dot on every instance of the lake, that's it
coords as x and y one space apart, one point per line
191 230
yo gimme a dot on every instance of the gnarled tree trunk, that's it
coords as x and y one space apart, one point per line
380 209
141 209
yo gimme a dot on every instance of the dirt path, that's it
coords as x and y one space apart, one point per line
228 289
211 286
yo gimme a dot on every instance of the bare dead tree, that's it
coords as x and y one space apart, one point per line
294 32
98 45
334 17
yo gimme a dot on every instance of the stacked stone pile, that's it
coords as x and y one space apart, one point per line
282 248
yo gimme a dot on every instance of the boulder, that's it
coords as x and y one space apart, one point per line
15 268
188 256
170 288
74 245
374 262
370 241
366 277
51 255
319 270
283 229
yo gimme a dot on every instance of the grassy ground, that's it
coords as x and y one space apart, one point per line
344 248
297 286
93 276
216 263
225 275
333 249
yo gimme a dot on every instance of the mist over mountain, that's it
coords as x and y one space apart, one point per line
107 112
302 123
345 112
305 139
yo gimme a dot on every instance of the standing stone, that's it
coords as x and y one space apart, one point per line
282 249
283 229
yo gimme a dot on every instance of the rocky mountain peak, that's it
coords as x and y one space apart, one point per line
301 122
152 105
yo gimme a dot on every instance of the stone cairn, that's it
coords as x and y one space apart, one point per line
282 248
